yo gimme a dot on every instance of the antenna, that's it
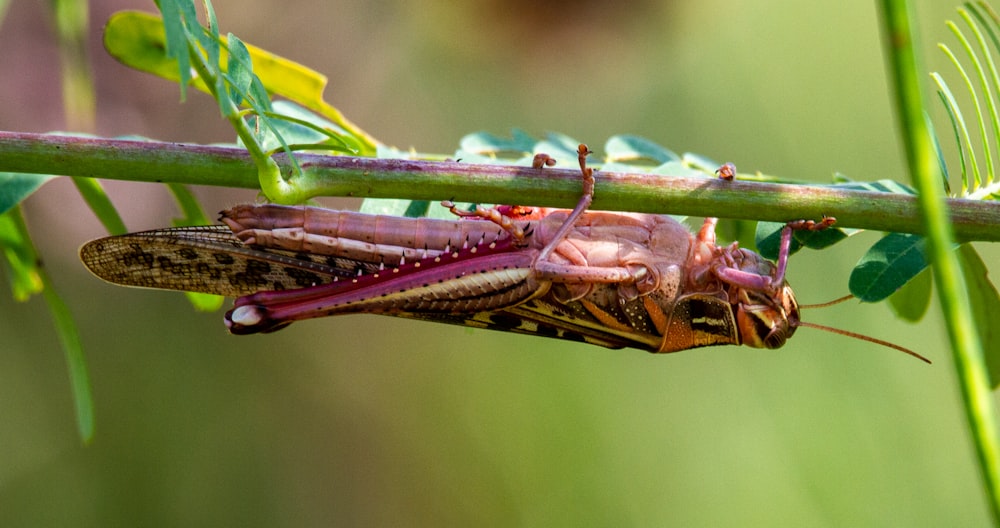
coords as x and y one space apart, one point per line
855 335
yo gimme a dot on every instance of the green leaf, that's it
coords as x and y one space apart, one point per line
240 69
244 85
631 149
378 206
559 146
412 208
417 208
213 39
821 239
889 186
483 147
942 162
956 132
702 163
887 266
407 208
25 273
674 168
16 187
966 146
259 93
985 307
138 39
485 143
174 44
912 300
302 128
768 239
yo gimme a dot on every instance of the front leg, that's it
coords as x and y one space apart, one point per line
728 270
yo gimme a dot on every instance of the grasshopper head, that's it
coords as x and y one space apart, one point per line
767 320
763 303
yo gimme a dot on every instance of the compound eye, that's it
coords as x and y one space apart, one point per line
773 334
767 327
776 338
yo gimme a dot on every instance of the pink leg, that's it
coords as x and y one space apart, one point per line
786 241
493 215
744 279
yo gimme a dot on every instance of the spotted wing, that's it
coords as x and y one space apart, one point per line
208 259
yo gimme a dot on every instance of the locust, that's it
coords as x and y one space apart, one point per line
611 279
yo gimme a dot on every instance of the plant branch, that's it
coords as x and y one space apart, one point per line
924 166
147 161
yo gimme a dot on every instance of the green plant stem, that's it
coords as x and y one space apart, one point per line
922 159
427 180
27 261
99 202
72 28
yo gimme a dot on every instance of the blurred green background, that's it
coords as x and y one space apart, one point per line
374 421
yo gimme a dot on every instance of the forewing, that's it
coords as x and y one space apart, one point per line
208 259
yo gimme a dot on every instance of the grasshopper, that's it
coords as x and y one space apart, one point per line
606 278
